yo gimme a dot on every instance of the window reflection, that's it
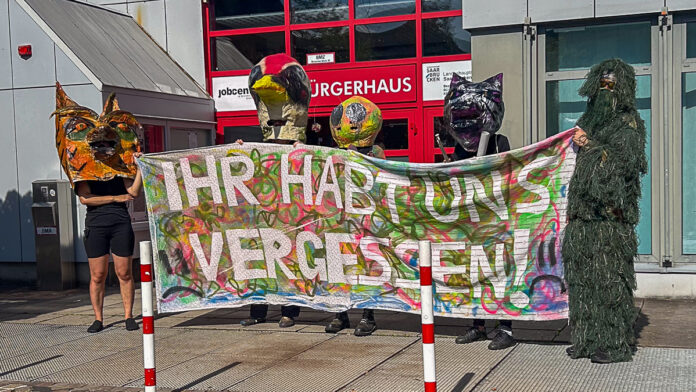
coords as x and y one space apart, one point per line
394 134
378 8
688 163
582 47
443 36
440 5
243 51
235 14
308 11
691 40
382 41
321 41
440 128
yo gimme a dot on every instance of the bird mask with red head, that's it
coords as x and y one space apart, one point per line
281 91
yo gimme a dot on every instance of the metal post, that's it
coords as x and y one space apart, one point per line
427 319
148 321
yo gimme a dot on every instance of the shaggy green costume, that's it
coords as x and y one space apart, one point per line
600 242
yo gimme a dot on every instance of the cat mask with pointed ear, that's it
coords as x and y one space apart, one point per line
471 108
94 147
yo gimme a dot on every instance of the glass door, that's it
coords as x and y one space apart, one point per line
434 127
399 137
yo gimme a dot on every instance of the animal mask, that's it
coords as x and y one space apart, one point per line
281 91
355 122
471 108
95 147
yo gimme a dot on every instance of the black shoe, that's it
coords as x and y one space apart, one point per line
131 325
600 356
95 327
252 321
365 327
571 351
286 322
340 322
501 340
472 335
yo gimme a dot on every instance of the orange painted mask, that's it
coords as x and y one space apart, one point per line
94 147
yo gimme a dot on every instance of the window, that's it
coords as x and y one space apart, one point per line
691 39
309 11
248 133
151 138
570 52
333 39
383 41
563 105
235 14
394 135
378 8
440 5
243 51
443 36
581 47
688 163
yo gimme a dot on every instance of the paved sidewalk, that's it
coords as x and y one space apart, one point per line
44 346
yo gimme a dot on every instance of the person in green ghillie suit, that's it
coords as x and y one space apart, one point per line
600 242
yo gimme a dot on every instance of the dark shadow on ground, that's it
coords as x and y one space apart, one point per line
28 303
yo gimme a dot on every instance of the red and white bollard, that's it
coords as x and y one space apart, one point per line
427 319
148 320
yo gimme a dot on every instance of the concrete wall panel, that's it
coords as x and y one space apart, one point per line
185 37
479 13
5 47
66 71
150 15
39 69
681 5
37 157
627 7
10 199
552 10
507 58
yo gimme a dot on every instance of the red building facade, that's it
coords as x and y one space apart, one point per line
399 54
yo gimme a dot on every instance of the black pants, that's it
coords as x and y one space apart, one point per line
481 323
259 311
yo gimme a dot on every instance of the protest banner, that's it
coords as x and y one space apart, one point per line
332 229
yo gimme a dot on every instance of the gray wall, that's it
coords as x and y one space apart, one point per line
506 58
27 97
176 25
478 14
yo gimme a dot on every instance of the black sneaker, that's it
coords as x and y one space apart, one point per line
472 335
501 340
365 327
340 322
601 357
571 351
252 321
131 325
95 327
286 322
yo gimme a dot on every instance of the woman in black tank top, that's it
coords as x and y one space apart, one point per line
108 231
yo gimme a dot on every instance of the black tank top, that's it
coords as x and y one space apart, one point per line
107 214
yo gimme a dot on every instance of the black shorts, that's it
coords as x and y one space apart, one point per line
118 238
